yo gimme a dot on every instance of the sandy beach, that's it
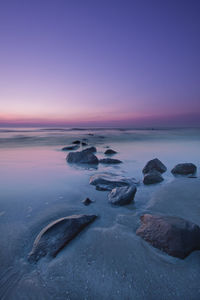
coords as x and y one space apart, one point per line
107 259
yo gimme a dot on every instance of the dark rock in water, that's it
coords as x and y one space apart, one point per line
87 201
109 181
184 169
82 157
173 235
110 151
77 142
55 236
90 149
152 177
84 144
90 134
110 161
192 176
154 164
71 147
122 195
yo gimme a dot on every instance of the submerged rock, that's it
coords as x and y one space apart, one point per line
154 164
184 169
122 195
110 151
110 161
82 157
152 177
91 149
87 201
173 235
77 142
55 236
71 147
109 181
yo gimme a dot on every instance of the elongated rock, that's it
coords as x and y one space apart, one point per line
109 181
108 161
55 236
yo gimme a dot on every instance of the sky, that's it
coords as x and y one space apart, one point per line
100 62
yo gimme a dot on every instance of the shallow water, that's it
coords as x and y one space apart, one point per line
38 186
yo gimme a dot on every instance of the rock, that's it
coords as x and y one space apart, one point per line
87 201
110 151
82 157
154 164
184 169
84 144
55 236
90 149
152 177
71 147
173 235
109 181
77 142
110 161
122 195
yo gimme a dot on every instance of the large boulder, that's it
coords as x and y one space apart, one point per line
184 169
154 164
110 152
55 236
71 147
122 195
82 157
173 235
109 161
109 181
152 177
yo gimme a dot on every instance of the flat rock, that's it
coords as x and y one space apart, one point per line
109 181
55 236
110 161
87 201
77 142
152 177
122 195
71 147
154 164
184 169
82 157
110 151
175 236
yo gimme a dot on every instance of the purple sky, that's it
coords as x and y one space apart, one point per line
112 63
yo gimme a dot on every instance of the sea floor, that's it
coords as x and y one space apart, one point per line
107 260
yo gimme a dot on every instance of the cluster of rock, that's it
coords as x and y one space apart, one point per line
154 168
87 156
75 145
121 189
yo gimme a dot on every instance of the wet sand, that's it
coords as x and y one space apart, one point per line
107 260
